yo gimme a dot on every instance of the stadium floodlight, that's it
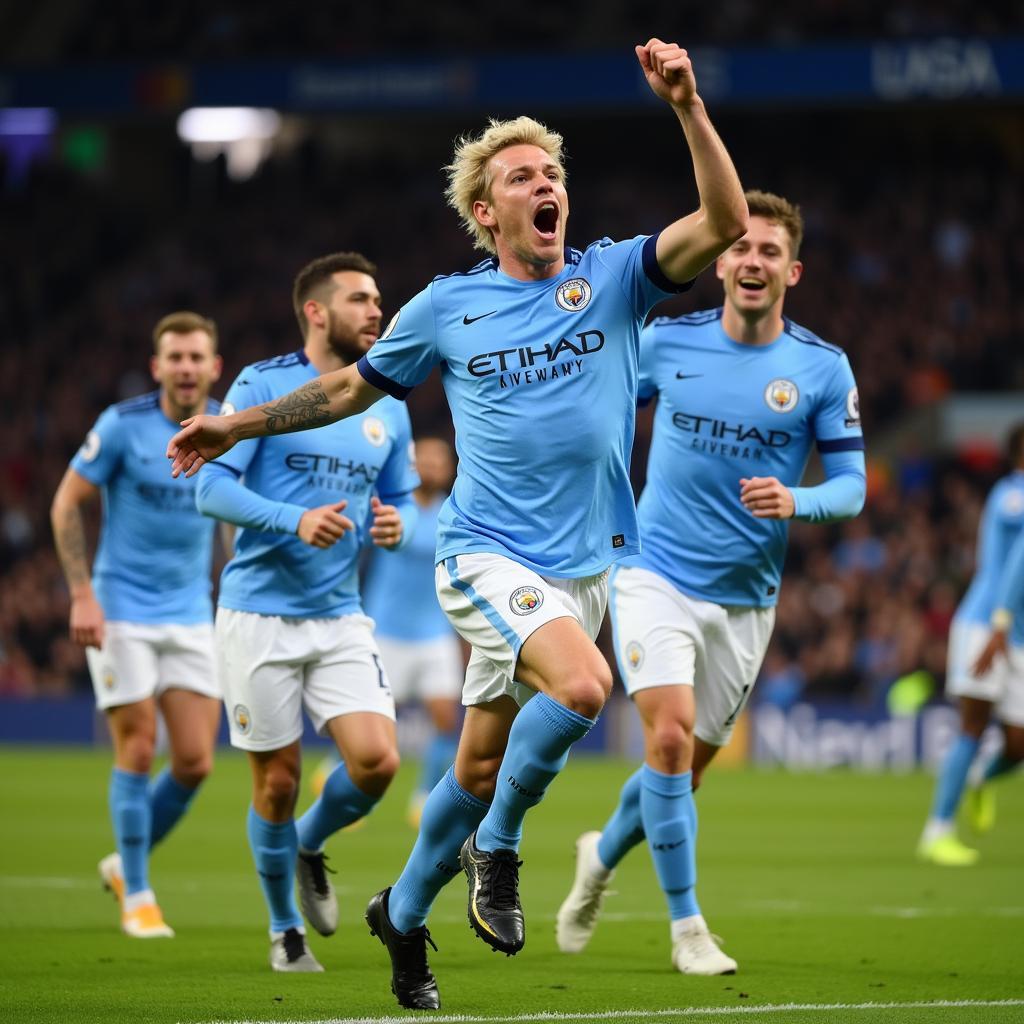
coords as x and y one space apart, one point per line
27 121
227 124
243 134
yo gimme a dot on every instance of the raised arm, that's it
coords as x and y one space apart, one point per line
688 245
86 624
324 400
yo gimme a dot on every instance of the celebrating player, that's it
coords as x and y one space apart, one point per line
743 394
421 652
986 670
145 616
290 629
538 350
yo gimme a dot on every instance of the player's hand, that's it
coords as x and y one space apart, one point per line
321 527
86 621
386 530
201 439
668 71
766 498
997 646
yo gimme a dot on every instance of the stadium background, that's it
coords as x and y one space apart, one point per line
897 125
898 128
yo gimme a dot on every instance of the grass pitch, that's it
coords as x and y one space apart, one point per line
811 880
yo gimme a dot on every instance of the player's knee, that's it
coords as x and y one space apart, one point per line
671 744
374 772
279 788
478 777
137 750
585 691
1013 748
193 769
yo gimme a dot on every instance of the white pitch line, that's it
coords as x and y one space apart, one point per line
641 1014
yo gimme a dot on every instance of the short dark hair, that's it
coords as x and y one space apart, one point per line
314 279
183 322
1015 444
780 211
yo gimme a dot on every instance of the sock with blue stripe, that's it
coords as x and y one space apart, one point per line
670 822
340 803
538 747
449 817
168 801
274 850
439 755
625 828
130 814
952 779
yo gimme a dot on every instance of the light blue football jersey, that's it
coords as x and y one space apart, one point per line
1001 524
541 380
728 411
152 564
399 594
275 573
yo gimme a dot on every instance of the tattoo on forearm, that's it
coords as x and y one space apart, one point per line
307 406
69 538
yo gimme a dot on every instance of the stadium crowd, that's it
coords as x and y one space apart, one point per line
232 29
910 271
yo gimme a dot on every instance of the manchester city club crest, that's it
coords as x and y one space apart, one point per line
243 720
525 600
781 395
634 655
573 295
374 432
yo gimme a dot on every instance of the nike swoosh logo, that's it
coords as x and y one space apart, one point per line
467 320
688 376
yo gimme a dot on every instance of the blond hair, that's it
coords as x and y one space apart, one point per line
469 177
779 211
183 321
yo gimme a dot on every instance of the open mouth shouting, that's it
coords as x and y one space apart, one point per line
545 220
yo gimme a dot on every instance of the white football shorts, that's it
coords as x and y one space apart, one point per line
271 667
1002 685
496 604
140 660
423 669
663 637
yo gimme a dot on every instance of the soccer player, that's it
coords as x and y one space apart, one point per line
986 669
419 648
145 616
743 395
538 353
290 628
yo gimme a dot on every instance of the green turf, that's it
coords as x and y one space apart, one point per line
810 879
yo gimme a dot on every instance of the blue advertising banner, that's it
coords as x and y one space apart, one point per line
933 70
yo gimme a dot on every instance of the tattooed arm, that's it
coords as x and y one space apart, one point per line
324 400
69 538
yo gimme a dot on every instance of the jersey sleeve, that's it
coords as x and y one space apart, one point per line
647 386
634 264
1010 590
248 389
99 457
837 418
407 351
